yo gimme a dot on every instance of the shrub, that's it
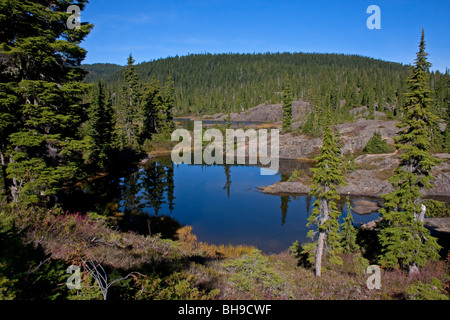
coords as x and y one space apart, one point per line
177 286
377 144
295 175
295 249
348 164
159 141
431 291
301 254
253 276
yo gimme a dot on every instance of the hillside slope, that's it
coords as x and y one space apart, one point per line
213 83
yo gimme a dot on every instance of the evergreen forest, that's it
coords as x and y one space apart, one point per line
65 126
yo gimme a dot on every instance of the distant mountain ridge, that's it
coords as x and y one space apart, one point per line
99 71
222 83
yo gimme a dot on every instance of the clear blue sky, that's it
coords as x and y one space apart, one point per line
155 29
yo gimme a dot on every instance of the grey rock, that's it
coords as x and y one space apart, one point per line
362 206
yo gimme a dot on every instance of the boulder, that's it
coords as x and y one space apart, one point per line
362 206
286 187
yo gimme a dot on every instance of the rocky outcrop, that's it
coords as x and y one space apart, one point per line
441 183
355 135
298 146
265 113
373 171
371 178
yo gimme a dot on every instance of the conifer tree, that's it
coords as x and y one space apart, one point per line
151 100
128 110
161 111
40 103
327 176
228 121
376 144
100 129
348 231
169 104
287 105
406 243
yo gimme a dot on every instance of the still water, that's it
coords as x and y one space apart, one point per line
221 203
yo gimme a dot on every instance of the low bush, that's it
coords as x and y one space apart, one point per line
254 278
377 144
431 291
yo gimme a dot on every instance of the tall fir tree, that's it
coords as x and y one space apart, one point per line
100 129
287 105
151 97
41 101
406 243
127 113
348 231
228 121
169 104
327 176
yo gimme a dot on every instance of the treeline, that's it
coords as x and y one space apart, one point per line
212 83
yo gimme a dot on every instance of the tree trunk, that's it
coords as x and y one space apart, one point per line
3 183
15 190
16 186
319 253
322 235
421 217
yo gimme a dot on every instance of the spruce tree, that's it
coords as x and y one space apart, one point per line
151 99
287 105
127 116
158 104
228 121
41 105
406 243
169 104
327 176
100 129
348 231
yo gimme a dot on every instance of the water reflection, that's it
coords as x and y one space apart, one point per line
146 190
221 203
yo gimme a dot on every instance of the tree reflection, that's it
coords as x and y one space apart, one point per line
148 189
228 179
284 208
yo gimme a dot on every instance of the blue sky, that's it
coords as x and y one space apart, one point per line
155 29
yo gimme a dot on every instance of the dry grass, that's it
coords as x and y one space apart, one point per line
75 237
223 272
268 126
383 174
190 243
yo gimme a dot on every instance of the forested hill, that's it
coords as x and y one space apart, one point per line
211 83
100 71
